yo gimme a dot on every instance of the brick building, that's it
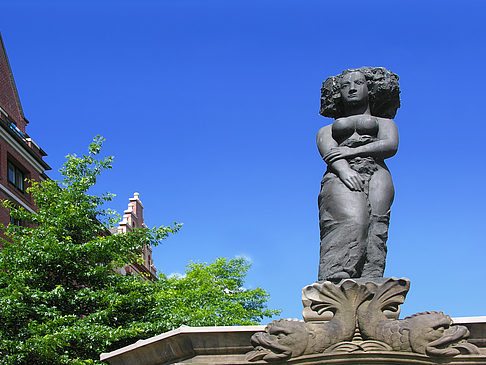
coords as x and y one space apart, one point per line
133 218
20 156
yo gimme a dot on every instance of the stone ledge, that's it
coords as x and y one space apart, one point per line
376 358
477 327
184 343
228 345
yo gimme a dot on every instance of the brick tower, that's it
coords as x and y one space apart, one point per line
133 218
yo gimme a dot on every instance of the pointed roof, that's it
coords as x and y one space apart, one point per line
9 97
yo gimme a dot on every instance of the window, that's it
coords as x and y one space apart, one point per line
15 221
15 176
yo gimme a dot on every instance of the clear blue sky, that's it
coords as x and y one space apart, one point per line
211 109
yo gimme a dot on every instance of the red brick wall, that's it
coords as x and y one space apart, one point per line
10 104
4 216
8 152
8 92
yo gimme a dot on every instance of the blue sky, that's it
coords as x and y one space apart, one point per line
211 110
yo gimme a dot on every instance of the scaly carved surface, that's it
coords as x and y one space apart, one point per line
428 333
284 339
338 315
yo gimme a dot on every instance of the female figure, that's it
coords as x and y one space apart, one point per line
357 189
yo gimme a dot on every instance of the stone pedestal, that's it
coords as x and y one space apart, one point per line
359 315
352 322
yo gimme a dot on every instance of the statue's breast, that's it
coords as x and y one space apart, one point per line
343 128
367 125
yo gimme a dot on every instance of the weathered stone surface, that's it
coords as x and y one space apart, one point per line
357 189
285 339
477 330
428 333
228 345
209 343
360 316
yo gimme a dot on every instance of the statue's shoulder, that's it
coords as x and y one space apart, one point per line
324 130
384 120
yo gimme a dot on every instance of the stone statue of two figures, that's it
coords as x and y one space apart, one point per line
352 307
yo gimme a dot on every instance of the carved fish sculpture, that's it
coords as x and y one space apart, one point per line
284 338
428 333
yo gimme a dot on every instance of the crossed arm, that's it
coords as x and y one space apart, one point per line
335 156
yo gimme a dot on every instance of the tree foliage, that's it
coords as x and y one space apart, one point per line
60 298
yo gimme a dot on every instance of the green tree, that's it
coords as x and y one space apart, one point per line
61 301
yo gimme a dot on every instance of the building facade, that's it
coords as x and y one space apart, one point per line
133 218
20 157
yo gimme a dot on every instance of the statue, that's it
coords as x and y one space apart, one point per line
352 308
357 189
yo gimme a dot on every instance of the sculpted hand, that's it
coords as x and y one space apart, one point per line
351 179
337 153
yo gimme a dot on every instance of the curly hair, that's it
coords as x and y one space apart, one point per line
383 93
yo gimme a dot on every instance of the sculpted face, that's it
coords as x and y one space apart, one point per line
353 88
